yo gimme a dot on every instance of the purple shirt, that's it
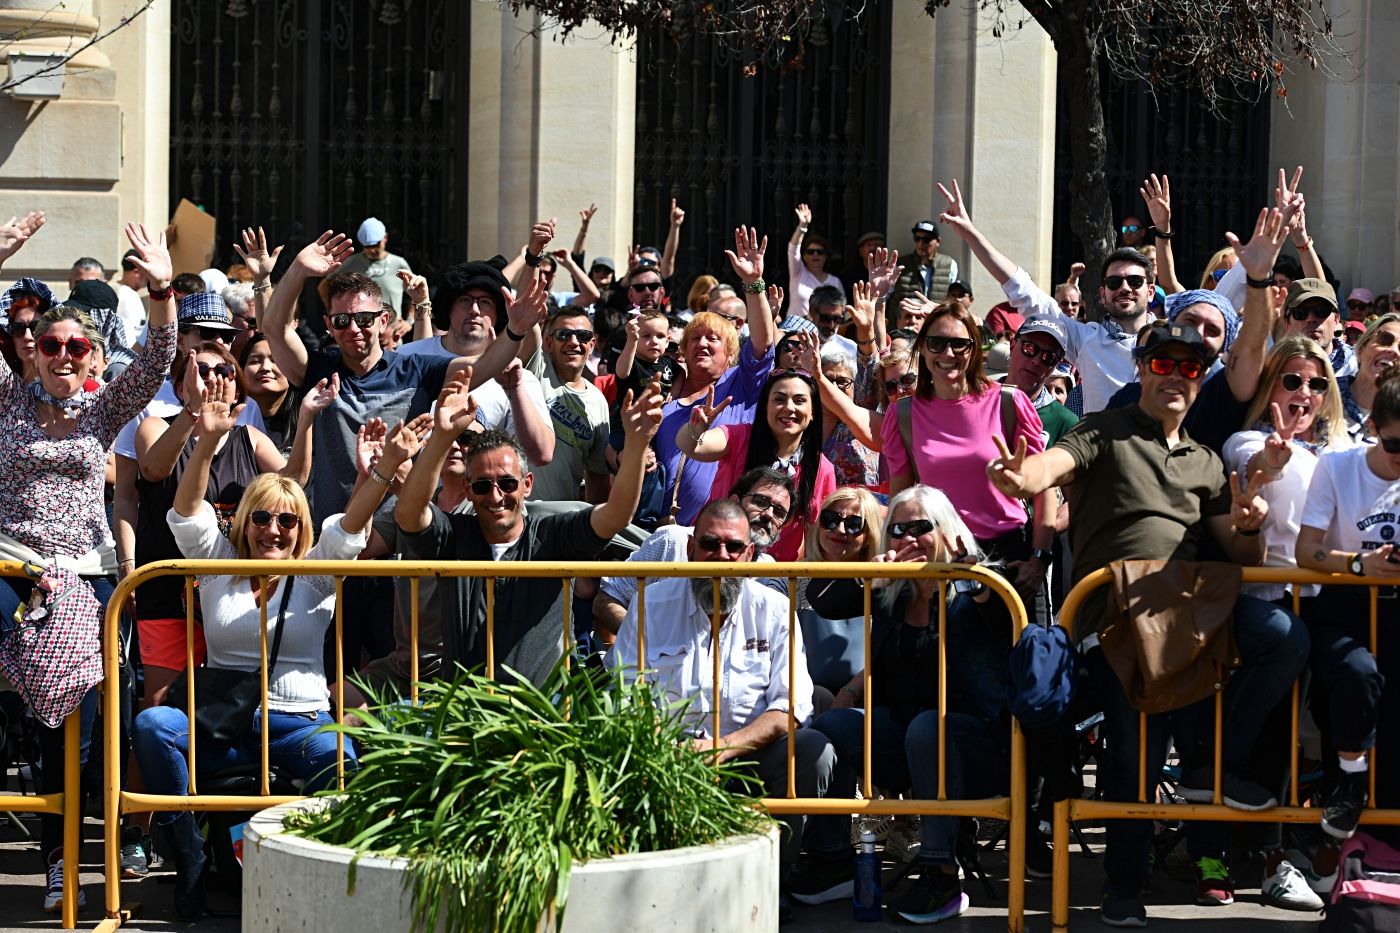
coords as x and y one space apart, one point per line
743 384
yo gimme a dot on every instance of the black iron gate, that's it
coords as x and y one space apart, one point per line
736 148
303 115
1218 165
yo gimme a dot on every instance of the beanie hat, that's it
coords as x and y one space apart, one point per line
485 274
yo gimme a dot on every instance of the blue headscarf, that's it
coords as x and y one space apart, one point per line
1180 301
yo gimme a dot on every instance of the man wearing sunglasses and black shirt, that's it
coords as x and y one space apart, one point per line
528 612
1169 495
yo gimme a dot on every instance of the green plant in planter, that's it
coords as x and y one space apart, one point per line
492 791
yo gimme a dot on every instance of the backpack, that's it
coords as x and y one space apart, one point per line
1366 896
1044 668
904 411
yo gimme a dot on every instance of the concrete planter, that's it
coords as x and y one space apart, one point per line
294 884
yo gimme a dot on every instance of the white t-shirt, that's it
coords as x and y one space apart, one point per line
132 310
1359 510
1286 497
166 404
492 407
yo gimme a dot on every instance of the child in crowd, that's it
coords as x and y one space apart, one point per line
643 358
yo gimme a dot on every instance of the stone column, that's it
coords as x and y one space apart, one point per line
968 105
1344 129
554 125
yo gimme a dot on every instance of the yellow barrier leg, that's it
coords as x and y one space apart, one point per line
72 816
1016 835
1059 884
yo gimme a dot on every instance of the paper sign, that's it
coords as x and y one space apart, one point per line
191 238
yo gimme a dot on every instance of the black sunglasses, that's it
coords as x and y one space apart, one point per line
483 487
20 327
711 544
816 252
644 286
1384 338
285 520
920 526
1115 282
1293 382
362 319
832 318
765 503
789 346
564 335
1390 445
1030 351
842 383
1320 310
220 369
906 381
208 333
831 520
923 239
936 345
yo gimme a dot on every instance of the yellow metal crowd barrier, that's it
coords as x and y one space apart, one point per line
119 802
1067 811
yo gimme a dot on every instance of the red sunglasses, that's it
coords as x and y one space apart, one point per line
78 347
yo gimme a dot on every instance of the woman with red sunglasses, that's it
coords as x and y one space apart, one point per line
53 460
273 522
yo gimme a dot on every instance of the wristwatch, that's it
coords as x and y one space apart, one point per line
1042 555
1355 565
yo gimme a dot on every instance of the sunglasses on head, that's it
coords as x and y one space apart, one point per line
765 503
285 520
1030 351
831 520
1390 445
1293 382
362 319
920 526
506 484
20 327
712 544
1166 365
565 334
936 345
1321 312
219 369
208 333
78 347
906 382
644 286
1115 282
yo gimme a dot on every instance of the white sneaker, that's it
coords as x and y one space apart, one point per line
1320 884
1287 888
53 897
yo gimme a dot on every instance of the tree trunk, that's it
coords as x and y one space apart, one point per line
1090 211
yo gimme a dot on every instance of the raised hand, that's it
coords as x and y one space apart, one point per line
703 415
1258 255
884 270
862 306
325 255
1076 269
369 444
16 232
747 255
255 255
1158 195
634 256
321 396
525 310
456 409
677 214
218 413
916 304
804 215
634 330
1248 509
641 417
540 235
775 299
1008 472
807 352
587 213
1278 449
415 285
153 258
513 376
1287 198
400 445
956 215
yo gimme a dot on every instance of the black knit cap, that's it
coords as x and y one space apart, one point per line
485 274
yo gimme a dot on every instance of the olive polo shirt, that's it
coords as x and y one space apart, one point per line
1135 498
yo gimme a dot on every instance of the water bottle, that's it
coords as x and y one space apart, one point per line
866 897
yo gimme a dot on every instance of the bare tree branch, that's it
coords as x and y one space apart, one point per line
69 55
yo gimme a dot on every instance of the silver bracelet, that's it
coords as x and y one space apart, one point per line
262 287
374 475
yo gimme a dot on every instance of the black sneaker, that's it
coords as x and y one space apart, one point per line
1342 811
935 895
1198 786
1116 911
1040 859
820 879
133 856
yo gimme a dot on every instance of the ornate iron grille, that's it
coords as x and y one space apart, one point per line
1218 165
746 149
303 116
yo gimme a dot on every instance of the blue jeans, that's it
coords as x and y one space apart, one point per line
1273 645
13 591
905 757
296 746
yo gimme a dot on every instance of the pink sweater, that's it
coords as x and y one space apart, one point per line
953 445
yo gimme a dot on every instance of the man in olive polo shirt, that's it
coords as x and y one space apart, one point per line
1140 488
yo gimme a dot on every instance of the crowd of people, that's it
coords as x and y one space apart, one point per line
545 406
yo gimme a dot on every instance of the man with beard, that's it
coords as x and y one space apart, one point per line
762 492
754 643
1103 352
